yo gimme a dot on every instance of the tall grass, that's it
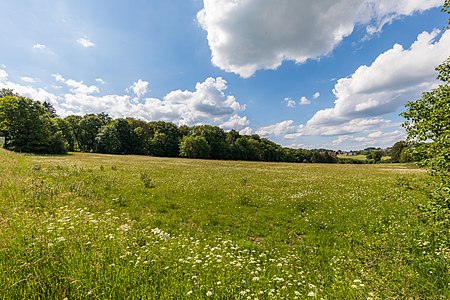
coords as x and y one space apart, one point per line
103 226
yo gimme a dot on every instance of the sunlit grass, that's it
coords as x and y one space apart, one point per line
103 226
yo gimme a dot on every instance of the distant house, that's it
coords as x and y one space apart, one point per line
351 153
2 140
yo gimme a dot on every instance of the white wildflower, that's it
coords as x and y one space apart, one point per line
60 239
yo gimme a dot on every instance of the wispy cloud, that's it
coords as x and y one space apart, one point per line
85 42
39 46
28 79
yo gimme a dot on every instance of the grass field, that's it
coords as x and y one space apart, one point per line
362 158
355 157
100 226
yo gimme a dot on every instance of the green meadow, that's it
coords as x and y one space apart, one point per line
91 226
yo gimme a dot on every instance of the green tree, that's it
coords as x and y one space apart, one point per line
115 137
184 130
67 132
377 155
243 149
428 128
74 122
27 126
50 109
216 138
160 144
194 147
428 125
315 157
104 118
405 156
396 150
7 92
88 128
164 139
57 143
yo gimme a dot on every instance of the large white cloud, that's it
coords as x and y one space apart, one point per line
382 12
396 76
208 104
373 139
362 99
248 35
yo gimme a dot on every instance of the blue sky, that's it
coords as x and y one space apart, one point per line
310 74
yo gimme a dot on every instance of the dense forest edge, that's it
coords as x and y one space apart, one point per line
29 126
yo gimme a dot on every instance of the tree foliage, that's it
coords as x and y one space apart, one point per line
88 128
194 147
428 122
50 109
27 127
216 138
101 133
428 127
396 150
163 139
115 137
377 155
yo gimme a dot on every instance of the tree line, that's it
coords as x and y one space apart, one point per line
33 127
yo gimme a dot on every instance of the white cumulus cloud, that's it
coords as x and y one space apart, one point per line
304 101
140 88
395 77
375 138
289 102
207 104
280 129
249 35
